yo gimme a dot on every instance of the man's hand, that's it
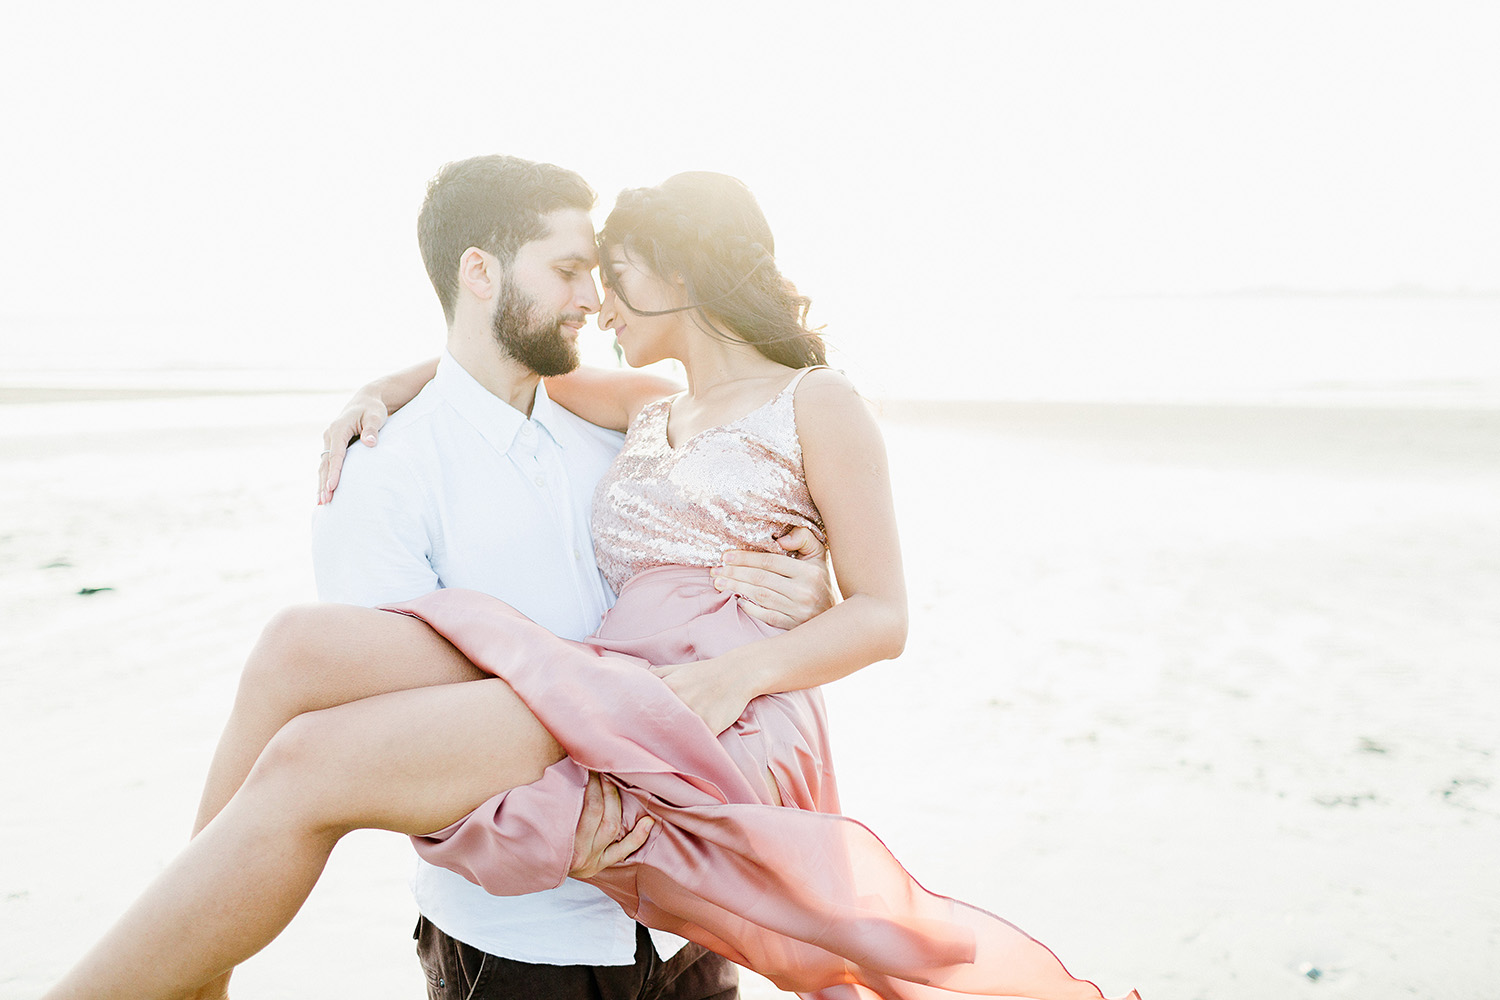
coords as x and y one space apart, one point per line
362 418
781 591
601 839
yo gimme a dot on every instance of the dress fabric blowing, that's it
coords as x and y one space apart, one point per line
806 897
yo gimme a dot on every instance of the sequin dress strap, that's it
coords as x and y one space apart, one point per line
802 373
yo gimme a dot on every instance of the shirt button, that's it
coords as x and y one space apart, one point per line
541 481
577 555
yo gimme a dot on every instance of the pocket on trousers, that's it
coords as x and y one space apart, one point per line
437 953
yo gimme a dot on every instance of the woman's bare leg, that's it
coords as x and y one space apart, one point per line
316 656
410 761
311 657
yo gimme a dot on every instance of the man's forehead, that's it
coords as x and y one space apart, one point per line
570 235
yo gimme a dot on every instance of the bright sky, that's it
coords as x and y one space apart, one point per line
247 175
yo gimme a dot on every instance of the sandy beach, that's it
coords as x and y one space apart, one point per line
1204 697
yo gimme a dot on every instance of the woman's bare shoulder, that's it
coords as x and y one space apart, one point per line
824 383
828 404
828 387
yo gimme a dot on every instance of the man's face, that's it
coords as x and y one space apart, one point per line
548 291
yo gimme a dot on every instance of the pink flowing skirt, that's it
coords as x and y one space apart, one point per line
809 899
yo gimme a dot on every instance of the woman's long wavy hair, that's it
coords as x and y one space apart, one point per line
708 228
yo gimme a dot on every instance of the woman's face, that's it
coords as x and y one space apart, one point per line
643 339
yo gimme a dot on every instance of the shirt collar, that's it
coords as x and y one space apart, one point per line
496 420
548 415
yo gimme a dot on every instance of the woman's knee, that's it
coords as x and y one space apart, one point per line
278 668
290 774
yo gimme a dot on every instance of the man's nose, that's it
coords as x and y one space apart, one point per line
589 301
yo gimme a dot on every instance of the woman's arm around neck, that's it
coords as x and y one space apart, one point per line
608 397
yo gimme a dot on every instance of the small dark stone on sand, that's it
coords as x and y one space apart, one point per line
1352 801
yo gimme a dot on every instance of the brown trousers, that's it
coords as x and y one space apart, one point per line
456 971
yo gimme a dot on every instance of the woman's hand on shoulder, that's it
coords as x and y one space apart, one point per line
362 418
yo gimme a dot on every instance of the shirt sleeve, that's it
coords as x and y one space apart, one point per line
372 544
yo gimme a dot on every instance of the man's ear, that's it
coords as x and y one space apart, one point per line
479 273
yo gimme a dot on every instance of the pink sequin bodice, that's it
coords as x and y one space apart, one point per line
736 486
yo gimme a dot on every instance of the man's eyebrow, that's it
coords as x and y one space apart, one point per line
577 258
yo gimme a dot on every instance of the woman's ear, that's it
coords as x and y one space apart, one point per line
479 273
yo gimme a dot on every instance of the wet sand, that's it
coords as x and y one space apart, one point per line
1203 697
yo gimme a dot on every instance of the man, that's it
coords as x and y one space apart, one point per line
483 482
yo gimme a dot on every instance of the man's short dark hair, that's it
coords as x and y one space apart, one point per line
495 203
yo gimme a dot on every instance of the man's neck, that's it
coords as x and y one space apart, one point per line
504 377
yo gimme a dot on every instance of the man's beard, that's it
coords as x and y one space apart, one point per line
537 343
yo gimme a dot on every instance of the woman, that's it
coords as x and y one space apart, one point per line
712 745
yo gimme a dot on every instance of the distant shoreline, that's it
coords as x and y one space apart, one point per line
1300 292
12 394
1360 436
1476 396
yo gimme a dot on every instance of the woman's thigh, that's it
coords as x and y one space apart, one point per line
320 655
412 761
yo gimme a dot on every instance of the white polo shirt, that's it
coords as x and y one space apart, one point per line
465 491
